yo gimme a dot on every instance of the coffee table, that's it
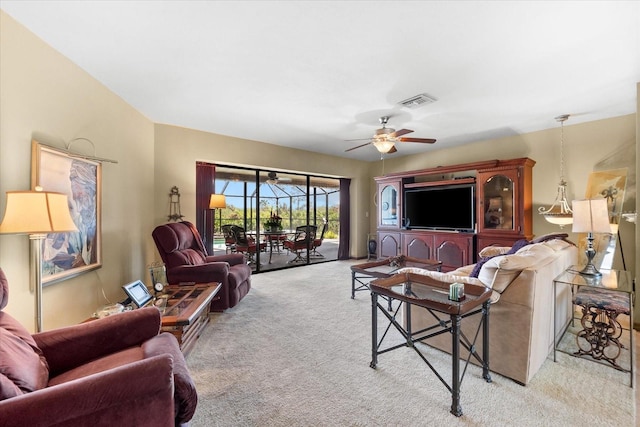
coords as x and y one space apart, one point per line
433 296
363 274
187 310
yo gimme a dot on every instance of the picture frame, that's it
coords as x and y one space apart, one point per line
158 274
610 185
66 255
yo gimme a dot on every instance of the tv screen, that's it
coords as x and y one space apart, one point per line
449 207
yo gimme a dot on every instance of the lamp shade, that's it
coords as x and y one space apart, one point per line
217 201
36 212
590 216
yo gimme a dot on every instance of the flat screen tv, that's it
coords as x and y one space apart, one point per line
450 208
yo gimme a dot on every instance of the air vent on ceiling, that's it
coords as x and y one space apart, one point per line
417 101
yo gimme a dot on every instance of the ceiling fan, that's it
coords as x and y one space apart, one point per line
385 138
274 178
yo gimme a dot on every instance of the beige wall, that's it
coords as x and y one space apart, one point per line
592 146
43 95
177 150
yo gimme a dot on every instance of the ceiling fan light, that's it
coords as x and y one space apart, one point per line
383 145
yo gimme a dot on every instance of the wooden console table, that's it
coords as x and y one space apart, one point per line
187 311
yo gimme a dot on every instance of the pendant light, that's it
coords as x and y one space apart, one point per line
559 213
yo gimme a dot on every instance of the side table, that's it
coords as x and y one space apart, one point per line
433 295
187 311
602 299
363 274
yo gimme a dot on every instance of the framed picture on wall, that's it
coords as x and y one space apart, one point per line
65 255
610 185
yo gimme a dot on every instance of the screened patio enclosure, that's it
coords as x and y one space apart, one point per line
256 200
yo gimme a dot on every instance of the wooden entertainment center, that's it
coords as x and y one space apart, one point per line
502 206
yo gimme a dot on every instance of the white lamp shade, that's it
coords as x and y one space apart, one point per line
217 201
36 212
590 216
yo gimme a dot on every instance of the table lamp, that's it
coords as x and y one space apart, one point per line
36 213
590 216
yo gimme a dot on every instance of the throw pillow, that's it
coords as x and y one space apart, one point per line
516 247
500 271
490 251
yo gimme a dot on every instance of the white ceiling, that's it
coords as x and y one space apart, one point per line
314 74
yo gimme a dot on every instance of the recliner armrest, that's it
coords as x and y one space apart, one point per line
71 346
140 393
212 272
232 259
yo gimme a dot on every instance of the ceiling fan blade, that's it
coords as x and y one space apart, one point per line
425 140
400 132
358 139
392 150
363 145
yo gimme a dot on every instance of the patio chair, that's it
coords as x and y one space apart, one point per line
302 241
318 242
229 238
247 245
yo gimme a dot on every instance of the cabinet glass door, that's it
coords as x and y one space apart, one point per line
498 203
389 206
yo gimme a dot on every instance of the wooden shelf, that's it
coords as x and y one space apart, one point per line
440 183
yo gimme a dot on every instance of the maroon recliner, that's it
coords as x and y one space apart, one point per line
186 260
116 370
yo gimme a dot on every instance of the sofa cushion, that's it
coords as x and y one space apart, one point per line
519 244
549 236
23 368
491 251
557 244
498 272
465 270
110 361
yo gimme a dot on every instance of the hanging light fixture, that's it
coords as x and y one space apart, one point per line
383 145
559 213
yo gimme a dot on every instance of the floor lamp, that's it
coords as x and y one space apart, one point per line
216 201
590 216
36 213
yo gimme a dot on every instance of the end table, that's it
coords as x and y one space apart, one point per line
602 299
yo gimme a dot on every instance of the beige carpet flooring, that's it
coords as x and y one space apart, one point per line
296 352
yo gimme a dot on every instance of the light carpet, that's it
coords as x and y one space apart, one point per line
296 352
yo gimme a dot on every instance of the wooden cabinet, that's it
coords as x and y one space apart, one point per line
453 249
388 244
418 245
504 203
389 206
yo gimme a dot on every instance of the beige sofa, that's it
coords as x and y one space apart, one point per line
521 314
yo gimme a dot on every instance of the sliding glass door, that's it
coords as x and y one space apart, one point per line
270 206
